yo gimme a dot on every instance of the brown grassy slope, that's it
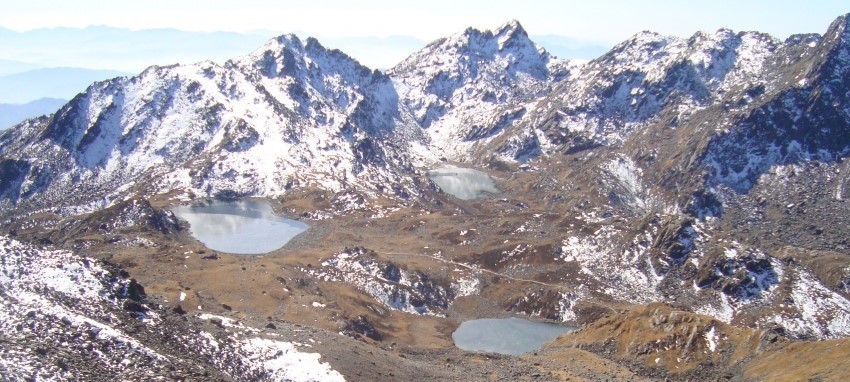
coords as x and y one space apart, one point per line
661 337
657 339
801 361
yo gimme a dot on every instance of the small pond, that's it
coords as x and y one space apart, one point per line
506 335
463 183
246 227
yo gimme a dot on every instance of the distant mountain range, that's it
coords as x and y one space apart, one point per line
100 47
31 91
11 67
103 47
11 114
65 83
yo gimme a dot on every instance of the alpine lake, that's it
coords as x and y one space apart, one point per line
463 183
244 227
512 336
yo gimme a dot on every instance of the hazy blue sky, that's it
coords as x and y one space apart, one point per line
381 32
599 20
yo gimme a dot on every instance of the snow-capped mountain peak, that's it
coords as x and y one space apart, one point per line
513 35
472 86
259 118
509 45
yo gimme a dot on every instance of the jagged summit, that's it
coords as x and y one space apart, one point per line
511 27
508 42
511 33
288 55
840 25
448 85
309 47
837 40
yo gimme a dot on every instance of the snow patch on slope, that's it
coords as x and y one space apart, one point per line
398 289
822 313
281 361
625 274
624 179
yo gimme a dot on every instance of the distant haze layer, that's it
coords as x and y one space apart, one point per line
132 51
63 83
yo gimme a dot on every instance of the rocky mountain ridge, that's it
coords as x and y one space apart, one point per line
474 97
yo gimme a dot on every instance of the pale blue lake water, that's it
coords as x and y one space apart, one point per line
463 183
246 227
506 335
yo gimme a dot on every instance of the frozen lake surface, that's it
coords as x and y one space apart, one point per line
506 335
246 227
463 183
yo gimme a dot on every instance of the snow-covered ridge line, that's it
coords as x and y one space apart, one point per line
293 114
